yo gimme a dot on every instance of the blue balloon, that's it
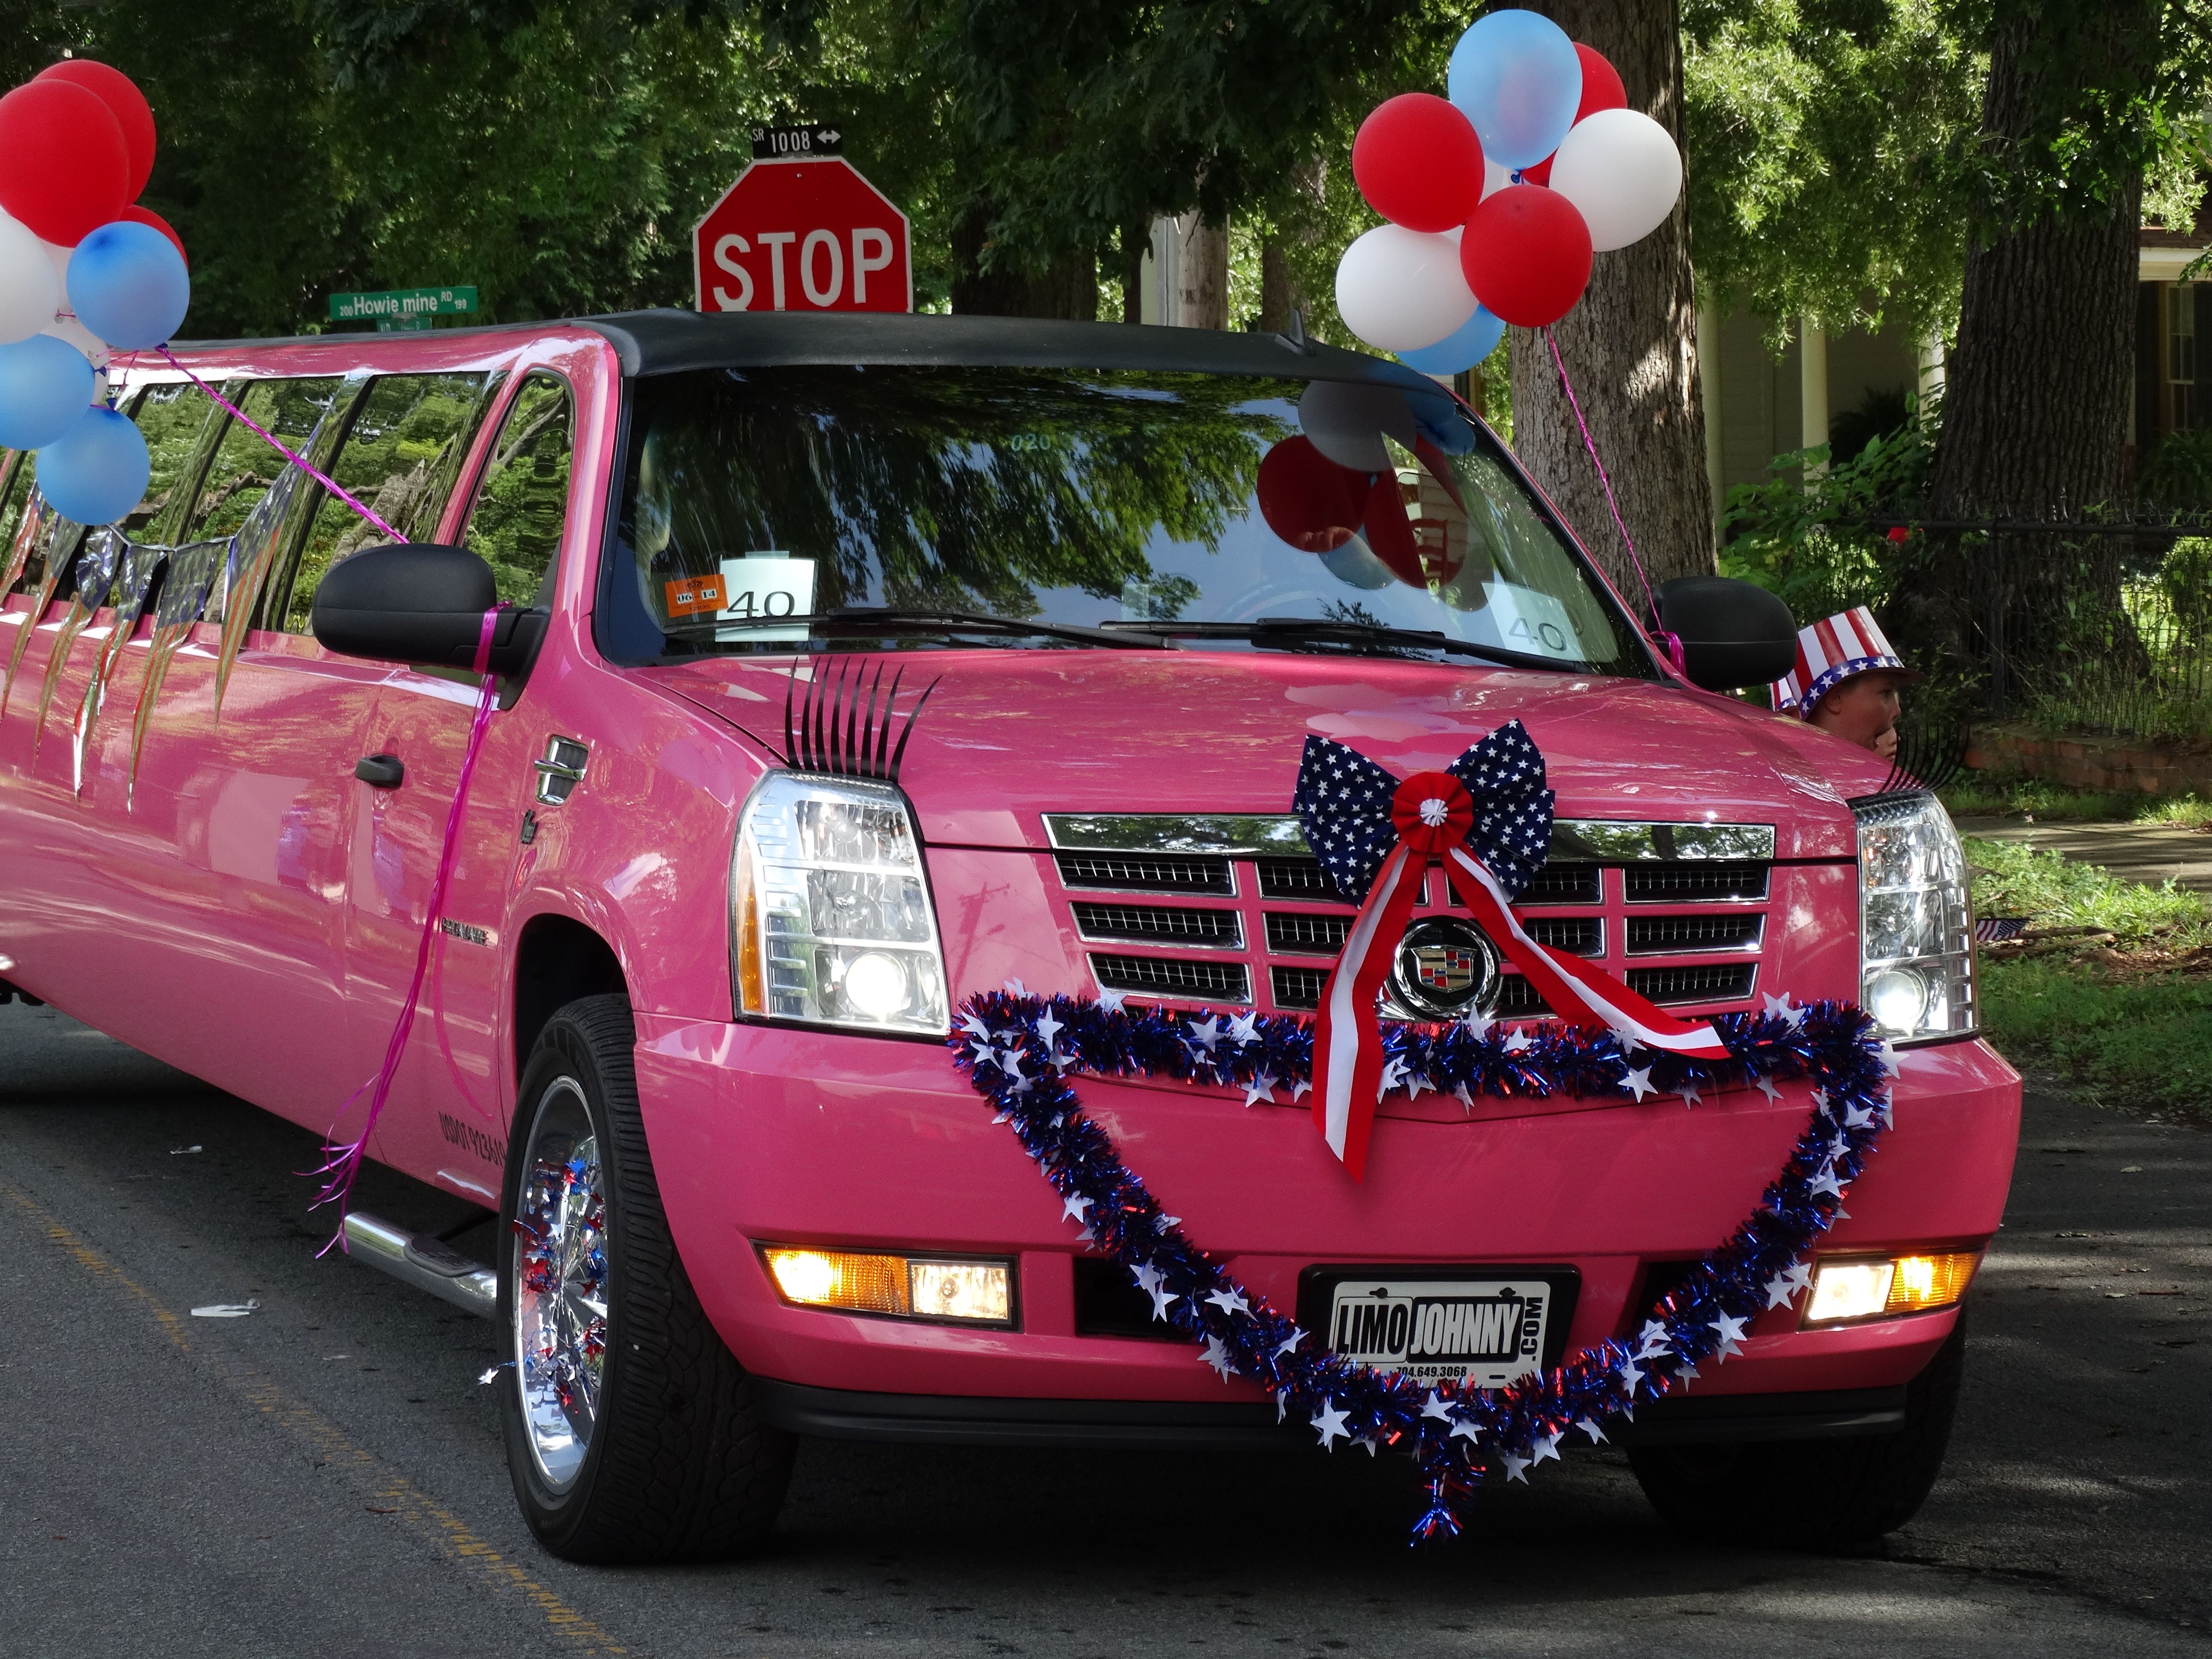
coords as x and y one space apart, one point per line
128 284
45 386
1463 348
96 471
1516 76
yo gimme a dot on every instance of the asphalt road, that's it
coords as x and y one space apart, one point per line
325 1475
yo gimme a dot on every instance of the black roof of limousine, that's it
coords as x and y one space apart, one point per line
669 342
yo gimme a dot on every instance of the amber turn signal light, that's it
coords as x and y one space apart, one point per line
1883 1287
904 1287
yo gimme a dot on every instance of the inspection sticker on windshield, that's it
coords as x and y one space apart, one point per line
1487 1331
759 587
689 596
1528 620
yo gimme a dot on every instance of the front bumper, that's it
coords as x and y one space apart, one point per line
806 1137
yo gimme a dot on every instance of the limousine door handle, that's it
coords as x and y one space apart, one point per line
380 771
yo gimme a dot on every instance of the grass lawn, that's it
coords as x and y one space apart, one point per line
2122 1004
1980 795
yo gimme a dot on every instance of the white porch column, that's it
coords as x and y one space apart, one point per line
1709 392
1813 388
1931 366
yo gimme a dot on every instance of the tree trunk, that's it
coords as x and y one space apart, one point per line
1279 291
1631 348
1069 289
2035 405
1201 273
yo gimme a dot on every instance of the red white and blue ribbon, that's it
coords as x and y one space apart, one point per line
1488 819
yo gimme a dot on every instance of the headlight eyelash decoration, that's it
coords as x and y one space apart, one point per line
1019 1050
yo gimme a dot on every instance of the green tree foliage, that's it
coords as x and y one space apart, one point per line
554 153
1826 141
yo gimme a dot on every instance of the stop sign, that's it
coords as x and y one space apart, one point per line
807 234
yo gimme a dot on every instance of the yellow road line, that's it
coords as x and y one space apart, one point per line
392 1490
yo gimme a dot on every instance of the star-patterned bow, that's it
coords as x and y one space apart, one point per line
1488 818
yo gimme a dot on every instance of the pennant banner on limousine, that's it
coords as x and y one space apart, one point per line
1488 818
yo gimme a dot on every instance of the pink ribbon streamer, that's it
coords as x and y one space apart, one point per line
298 460
342 1161
1673 642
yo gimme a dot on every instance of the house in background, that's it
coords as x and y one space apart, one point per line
2168 313
1759 405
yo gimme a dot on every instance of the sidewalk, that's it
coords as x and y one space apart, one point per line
2150 852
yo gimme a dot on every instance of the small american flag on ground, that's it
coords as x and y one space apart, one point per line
1995 930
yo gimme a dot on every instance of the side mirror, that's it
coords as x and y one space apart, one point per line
420 602
1734 634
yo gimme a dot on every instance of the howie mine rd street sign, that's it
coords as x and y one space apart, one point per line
403 307
801 232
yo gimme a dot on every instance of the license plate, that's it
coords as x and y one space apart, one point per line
1485 1331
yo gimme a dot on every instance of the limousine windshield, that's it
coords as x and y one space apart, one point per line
768 509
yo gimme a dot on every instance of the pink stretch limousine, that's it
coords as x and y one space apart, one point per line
720 892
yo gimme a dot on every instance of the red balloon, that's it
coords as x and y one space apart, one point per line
1601 89
1308 500
1527 255
124 102
143 216
64 169
1390 533
1418 162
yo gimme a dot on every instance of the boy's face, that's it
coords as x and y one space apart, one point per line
1862 710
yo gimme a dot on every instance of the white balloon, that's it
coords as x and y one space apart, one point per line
68 328
1622 172
1494 178
1346 421
1399 288
30 294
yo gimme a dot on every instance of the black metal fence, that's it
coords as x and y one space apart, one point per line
2095 626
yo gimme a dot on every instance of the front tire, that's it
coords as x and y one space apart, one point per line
1812 1494
632 1433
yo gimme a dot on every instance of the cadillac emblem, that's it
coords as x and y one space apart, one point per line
1445 967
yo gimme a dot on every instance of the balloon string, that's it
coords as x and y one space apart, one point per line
299 461
342 1159
1672 641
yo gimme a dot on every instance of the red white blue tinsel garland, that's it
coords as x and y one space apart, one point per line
1019 1049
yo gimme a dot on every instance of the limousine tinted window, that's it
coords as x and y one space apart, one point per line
522 501
1374 519
400 457
244 464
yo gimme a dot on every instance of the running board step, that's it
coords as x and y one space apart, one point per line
424 1261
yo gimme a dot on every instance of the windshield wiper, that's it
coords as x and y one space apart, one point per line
883 620
1289 630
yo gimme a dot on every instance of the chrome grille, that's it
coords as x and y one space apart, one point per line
1709 982
1688 882
1174 979
1306 935
1581 936
1297 878
1679 912
1663 935
1169 924
1144 874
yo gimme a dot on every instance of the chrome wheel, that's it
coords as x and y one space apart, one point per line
559 1243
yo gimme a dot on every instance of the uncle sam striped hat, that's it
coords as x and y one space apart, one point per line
1830 652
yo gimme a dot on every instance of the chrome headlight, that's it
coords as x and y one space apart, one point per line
1916 922
833 921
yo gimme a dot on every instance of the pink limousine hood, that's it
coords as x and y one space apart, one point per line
1008 736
